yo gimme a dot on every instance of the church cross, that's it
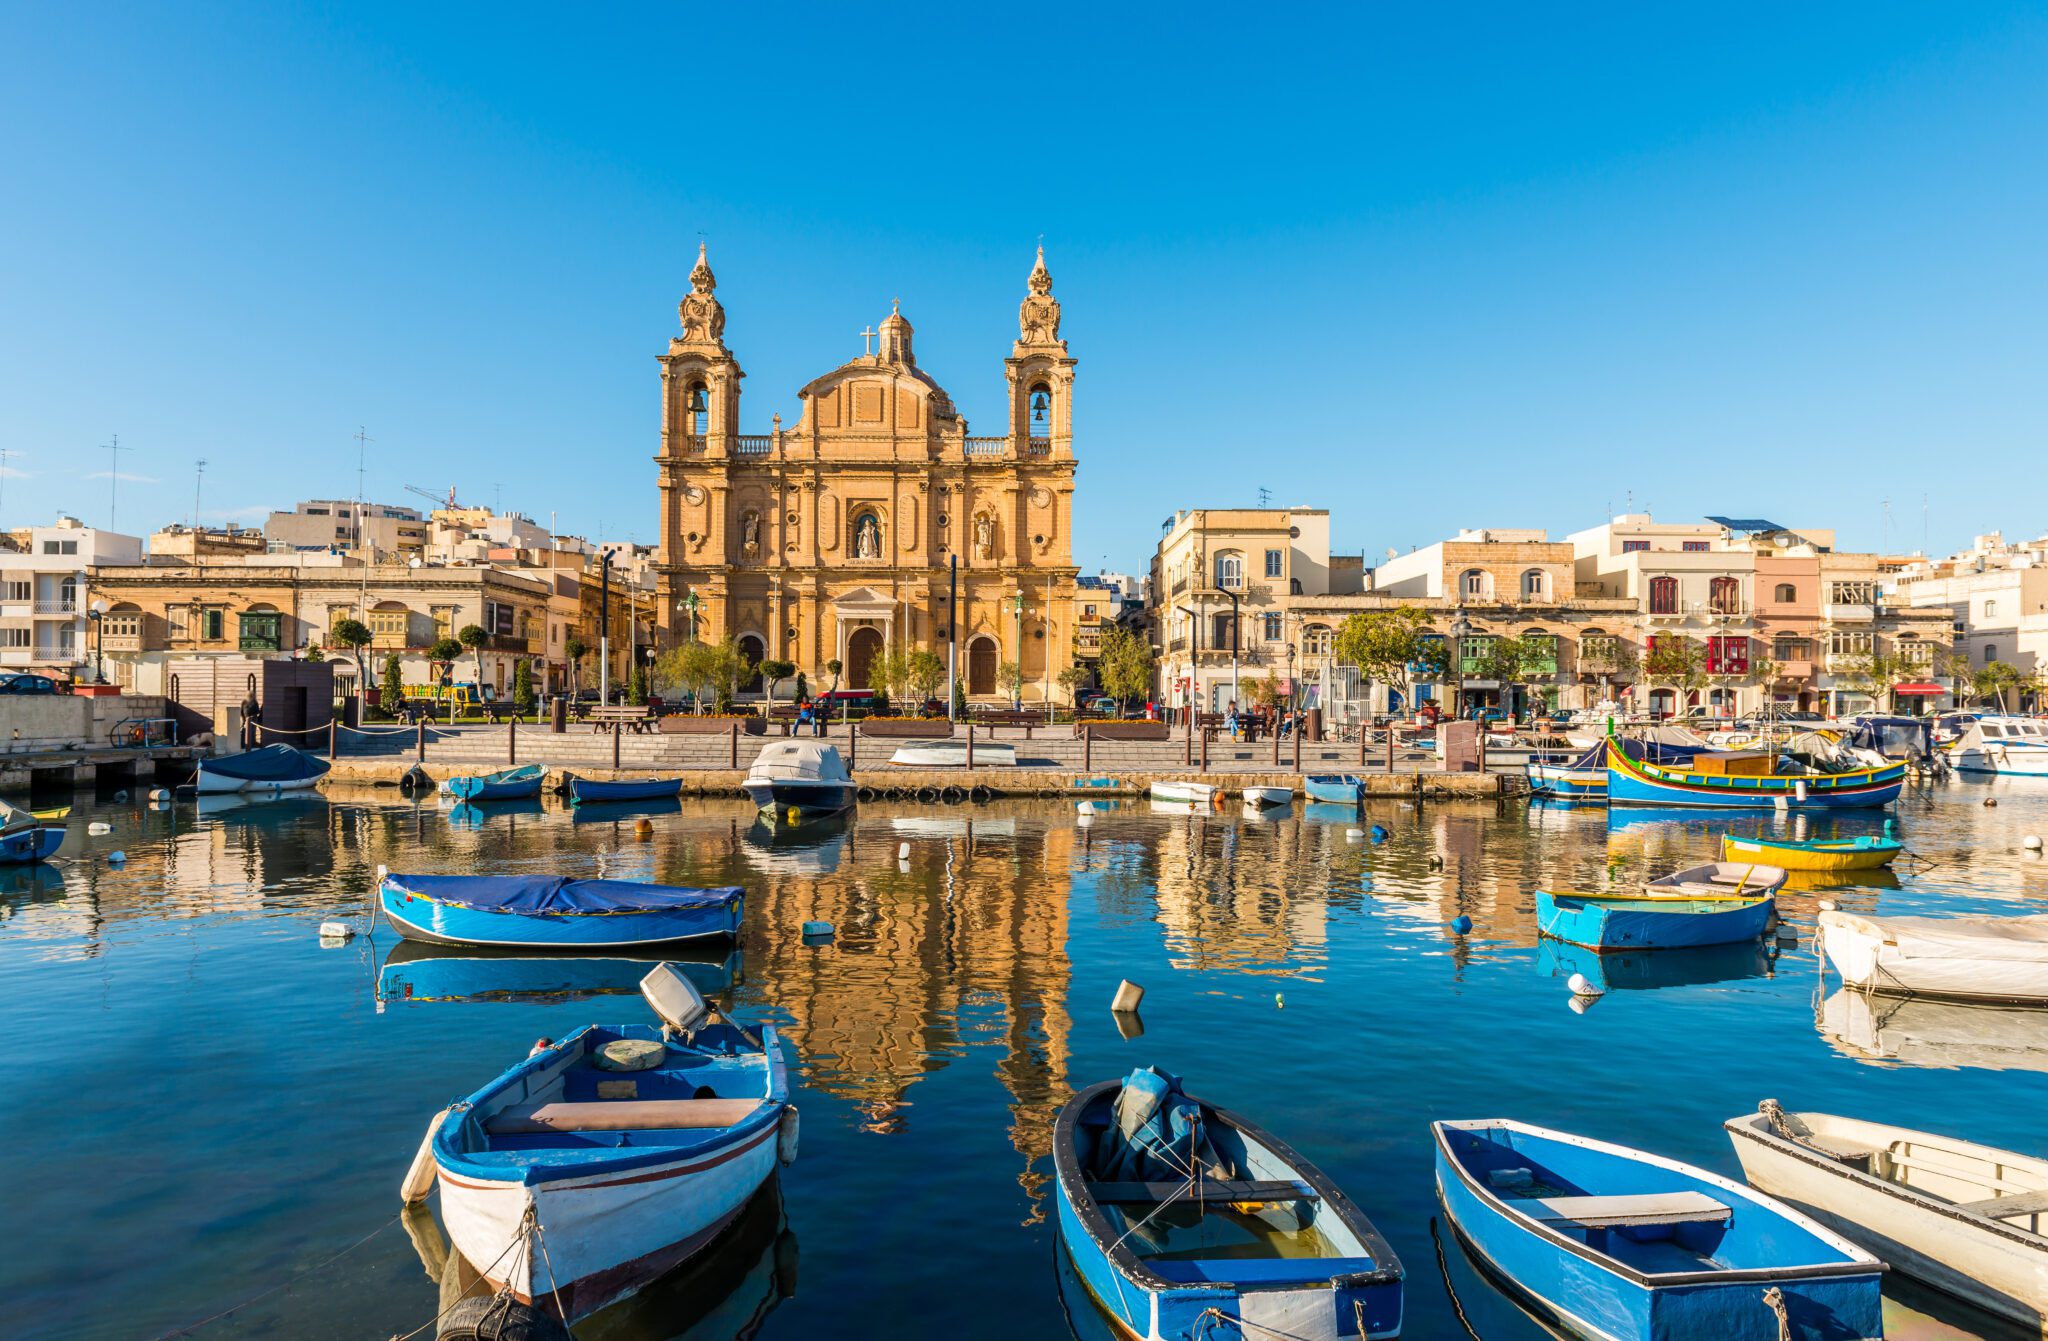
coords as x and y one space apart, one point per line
867 341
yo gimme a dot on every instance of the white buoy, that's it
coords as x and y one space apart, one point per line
1085 818
99 826
1128 996
1581 1004
419 1179
336 931
2032 842
116 857
1582 986
903 852
1354 835
159 793
1826 905
1085 807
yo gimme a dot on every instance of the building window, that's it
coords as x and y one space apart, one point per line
389 628
1475 584
261 632
444 622
1535 585
122 624
1790 649
1634 546
1230 571
14 637
1787 593
1473 651
1852 593
1223 633
1315 640
212 621
1663 595
1694 547
1990 653
1724 596
1544 645
1273 634
1274 560
60 547
1990 609
20 590
1848 643
1728 656
177 622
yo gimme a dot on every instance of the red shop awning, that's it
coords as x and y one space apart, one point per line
1919 689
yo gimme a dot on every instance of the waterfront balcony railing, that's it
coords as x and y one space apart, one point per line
60 653
1702 610
987 446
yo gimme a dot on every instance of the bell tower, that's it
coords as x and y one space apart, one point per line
1041 374
700 417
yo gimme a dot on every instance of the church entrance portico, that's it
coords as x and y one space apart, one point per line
863 645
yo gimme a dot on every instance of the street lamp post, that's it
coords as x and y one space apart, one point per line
1461 629
1017 689
97 611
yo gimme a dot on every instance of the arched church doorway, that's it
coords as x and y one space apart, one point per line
981 666
863 645
752 650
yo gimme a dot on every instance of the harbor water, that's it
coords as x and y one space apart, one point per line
210 1110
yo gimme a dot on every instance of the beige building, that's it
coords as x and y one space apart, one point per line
1226 584
838 535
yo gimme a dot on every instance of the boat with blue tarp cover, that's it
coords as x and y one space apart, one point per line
1185 1221
1633 782
1622 1245
1336 788
553 911
274 768
583 790
596 1164
507 784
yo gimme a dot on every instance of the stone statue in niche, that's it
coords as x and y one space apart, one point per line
984 536
867 536
750 533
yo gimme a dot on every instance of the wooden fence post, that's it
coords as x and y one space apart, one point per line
852 744
615 745
512 742
1189 752
1276 741
1482 747
1205 749
970 744
1390 749
333 737
1297 747
733 747
1365 738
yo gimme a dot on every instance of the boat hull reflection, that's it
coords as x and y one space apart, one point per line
418 972
1637 970
1914 1031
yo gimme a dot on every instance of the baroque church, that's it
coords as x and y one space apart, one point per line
840 535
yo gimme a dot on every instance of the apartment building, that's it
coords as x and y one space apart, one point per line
343 524
1996 596
46 609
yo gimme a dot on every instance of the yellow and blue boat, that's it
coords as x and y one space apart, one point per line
1863 853
1727 782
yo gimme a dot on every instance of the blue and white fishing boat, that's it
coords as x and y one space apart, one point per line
274 768
582 790
507 784
1620 1245
24 838
1183 1221
1340 788
598 1163
553 911
1564 778
1634 782
1714 903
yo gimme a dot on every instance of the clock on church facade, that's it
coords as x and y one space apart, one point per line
837 536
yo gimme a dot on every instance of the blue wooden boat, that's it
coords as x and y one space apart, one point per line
30 843
554 912
1620 1245
274 768
1183 1220
1565 778
419 972
1638 782
632 789
507 784
1342 788
597 1164
1714 903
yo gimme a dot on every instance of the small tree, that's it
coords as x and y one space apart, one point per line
473 637
1071 679
832 668
803 687
923 674
1764 673
775 672
636 687
445 652
355 635
1124 665
1010 675
732 670
959 700
393 692
575 649
1874 672
1678 663
1390 647
522 687
313 652
1262 691
1994 680
1611 657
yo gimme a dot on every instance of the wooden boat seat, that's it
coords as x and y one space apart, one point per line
1649 1208
619 1115
2005 1208
1152 1194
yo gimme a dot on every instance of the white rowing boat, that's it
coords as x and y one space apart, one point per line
1192 793
1268 796
2002 959
1965 1218
953 754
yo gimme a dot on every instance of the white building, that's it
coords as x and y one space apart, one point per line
45 608
1997 596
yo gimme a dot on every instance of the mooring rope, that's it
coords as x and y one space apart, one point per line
1774 1300
286 1283
504 1291
1444 1270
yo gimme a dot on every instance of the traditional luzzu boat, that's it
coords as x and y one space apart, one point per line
2001 960
554 912
507 784
1718 903
1183 1221
1965 1218
1622 1245
585 790
1737 782
274 768
1862 853
597 1164
1340 788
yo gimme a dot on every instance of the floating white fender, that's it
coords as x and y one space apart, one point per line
419 1179
785 1136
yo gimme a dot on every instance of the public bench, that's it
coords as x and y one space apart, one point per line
637 718
994 717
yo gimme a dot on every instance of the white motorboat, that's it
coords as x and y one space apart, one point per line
1186 792
1965 1218
953 754
1263 797
1995 744
806 776
1998 959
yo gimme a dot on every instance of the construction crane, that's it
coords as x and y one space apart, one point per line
432 497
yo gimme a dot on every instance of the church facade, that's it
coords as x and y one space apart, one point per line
840 535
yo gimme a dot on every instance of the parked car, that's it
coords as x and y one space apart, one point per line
1100 705
24 683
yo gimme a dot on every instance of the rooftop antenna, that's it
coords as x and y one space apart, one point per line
113 476
498 499
198 478
1265 496
363 441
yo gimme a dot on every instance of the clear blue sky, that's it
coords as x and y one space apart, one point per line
1469 266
